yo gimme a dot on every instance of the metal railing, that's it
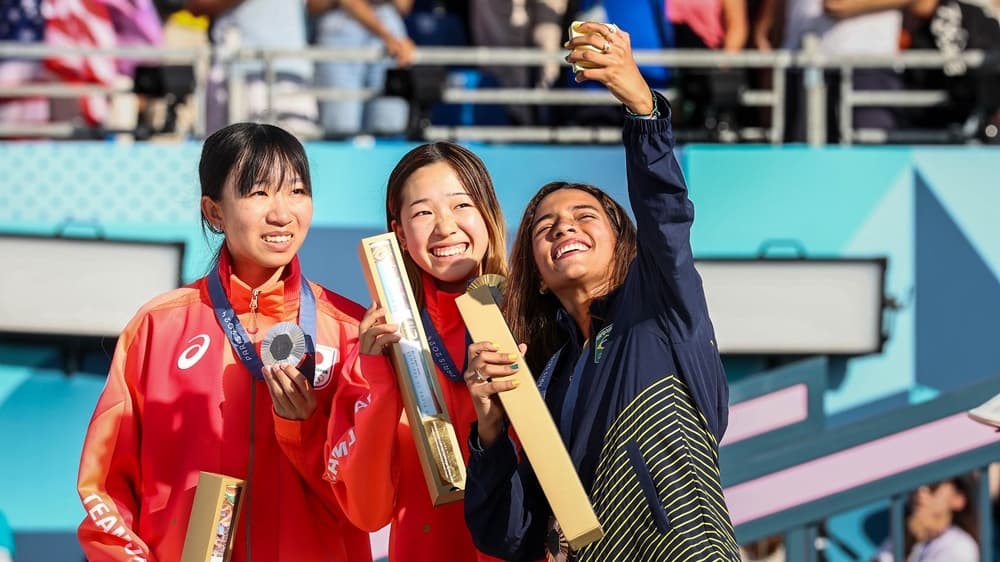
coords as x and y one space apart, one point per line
768 456
197 58
810 61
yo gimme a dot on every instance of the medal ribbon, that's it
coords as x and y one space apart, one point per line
572 393
439 352
240 340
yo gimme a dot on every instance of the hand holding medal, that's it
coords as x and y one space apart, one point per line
285 348
282 350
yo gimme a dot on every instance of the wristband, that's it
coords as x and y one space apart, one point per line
654 114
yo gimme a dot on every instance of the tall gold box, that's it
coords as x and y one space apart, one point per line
433 433
215 516
535 427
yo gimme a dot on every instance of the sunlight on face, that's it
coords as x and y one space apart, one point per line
573 242
440 226
265 229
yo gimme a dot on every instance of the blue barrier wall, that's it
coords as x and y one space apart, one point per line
932 212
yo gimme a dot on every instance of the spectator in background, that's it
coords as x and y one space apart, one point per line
708 98
354 24
173 117
843 27
137 24
709 24
952 27
519 23
770 549
265 24
102 24
548 32
942 525
439 22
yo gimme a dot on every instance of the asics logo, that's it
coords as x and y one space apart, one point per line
194 352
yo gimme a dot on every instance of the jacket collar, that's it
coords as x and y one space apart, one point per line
440 304
277 299
433 296
600 309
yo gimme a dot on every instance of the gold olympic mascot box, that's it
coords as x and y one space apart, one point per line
433 433
531 419
214 518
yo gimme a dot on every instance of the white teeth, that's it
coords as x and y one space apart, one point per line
278 239
450 250
569 247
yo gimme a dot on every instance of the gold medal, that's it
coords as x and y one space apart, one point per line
494 281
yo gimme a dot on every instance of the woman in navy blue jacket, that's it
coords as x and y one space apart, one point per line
619 336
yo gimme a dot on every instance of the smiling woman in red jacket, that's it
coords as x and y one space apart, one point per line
444 211
188 391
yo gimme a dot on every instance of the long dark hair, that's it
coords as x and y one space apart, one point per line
477 182
531 313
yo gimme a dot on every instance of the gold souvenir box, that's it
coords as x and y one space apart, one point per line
214 519
533 423
433 433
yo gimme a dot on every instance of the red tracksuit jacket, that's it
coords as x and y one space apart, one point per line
373 463
178 401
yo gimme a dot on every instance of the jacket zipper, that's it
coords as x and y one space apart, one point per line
253 311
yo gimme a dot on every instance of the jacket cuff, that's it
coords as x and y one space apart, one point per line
498 452
295 431
646 125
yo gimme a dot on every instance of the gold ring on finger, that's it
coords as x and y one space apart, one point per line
607 47
612 28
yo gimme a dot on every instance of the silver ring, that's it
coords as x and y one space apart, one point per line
607 47
612 28
479 376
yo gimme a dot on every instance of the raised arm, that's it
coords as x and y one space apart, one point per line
734 17
657 191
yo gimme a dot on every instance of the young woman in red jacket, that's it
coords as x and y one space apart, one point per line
189 391
442 206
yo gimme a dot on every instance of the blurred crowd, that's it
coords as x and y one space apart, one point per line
705 100
941 524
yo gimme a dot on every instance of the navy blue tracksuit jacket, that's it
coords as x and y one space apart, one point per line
647 405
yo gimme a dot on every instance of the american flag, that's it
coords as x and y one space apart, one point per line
97 23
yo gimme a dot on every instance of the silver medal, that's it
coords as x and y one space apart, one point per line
284 343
